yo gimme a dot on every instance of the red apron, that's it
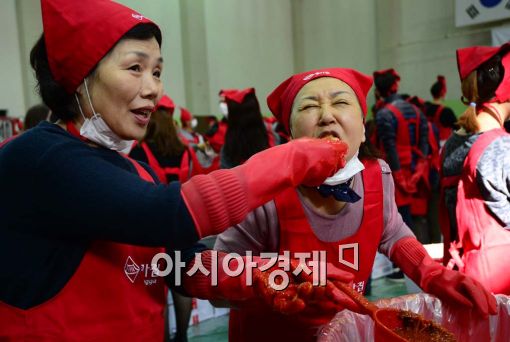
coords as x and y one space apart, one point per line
444 132
444 218
186 140
112 296
419 200
162 172
484 240
190 165
218 139
296 235
197 168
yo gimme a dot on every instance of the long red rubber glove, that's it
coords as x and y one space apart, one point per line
452 287
223 198
296 297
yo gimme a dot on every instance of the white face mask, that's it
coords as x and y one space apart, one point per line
95 129
224 109
352 167
194 123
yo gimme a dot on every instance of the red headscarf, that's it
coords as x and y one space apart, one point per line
469 59
225 92
238 95
394 87
281 99
442 81
185 115
166 103
78 34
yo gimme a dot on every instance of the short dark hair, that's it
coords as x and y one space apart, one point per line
384 83
53 94
435 90
35 114
489 77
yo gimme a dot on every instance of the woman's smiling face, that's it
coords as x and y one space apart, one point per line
126 87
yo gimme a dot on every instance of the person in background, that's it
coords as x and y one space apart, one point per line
349 217
83 219
161 148
436 112
187 132
36 114
9 126
246 132
215 135
431 230
402 134
476 180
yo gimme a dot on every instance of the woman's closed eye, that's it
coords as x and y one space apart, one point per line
308 106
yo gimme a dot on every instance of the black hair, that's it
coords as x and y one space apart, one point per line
53 94
489 76
436 89
384 83
246 133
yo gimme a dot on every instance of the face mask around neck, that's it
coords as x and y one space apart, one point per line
96 130
352 167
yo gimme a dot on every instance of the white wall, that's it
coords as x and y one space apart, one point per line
30 29
335 33
419 39
166 13
249 44
11 84
213 44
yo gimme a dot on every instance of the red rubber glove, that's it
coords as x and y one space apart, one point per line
296 297
223 198
452 287
301 296
228 287
403 183
421 174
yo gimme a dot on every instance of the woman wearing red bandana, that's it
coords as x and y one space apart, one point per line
81 222
247 133
475 170
349 217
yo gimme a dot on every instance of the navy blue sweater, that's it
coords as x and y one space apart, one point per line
58 195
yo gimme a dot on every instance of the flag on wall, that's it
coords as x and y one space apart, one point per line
470 12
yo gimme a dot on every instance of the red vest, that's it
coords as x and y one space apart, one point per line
484 240
196 138
296 235
434 145
112 296
444 132
185 171
419 200
218 139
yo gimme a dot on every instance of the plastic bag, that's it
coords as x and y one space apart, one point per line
464 324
